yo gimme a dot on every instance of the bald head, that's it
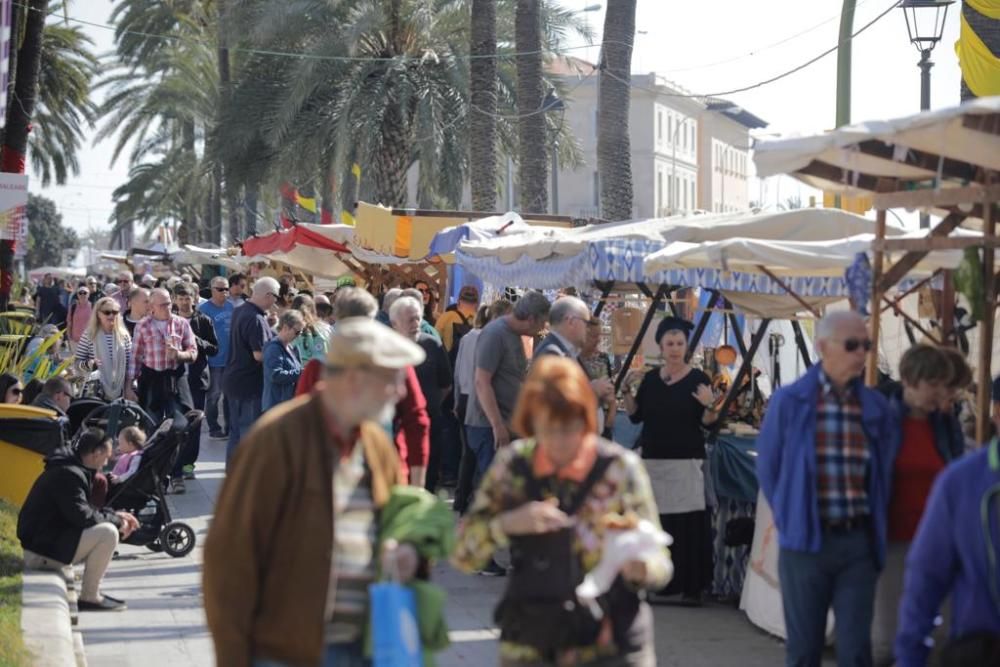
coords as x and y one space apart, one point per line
842 341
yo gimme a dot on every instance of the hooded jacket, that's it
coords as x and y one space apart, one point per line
58 510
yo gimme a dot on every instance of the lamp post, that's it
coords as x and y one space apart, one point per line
554 103
925 21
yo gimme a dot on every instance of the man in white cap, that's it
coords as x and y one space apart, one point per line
290 553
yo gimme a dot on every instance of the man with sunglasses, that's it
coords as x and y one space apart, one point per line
124 282
220 309
824 462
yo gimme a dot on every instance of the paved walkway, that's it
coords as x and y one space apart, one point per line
165 625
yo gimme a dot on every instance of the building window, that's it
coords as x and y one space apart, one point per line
659 192
694 199
685 199
670 128
659 126
694 141
685 142
597 189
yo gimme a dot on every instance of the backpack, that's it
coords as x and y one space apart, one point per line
458 329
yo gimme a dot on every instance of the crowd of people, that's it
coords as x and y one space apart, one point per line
328 400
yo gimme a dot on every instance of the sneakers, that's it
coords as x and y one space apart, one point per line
218 435
188 472
493 570
177 486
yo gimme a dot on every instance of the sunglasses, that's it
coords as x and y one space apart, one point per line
17 391
221 289
110 313
83 293
852 345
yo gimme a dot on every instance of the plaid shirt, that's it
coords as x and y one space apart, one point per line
149 344
842 455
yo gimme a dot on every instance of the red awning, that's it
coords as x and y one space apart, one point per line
286 240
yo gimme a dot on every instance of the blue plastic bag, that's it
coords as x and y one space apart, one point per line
395 633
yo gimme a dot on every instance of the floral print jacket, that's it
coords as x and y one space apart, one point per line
624 490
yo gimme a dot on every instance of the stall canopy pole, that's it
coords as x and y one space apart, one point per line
662 292
985 379
746 370
871 371
605 288
737 330
800 342
699 330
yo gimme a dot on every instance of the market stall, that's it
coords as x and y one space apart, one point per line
942 161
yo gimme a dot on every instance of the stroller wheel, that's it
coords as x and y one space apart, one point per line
177 539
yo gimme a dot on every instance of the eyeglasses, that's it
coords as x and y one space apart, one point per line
272 294
425 290
852 345
17 391
83 293
221 289
110 313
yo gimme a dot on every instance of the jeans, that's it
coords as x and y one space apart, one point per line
480 439
434 460
336 655
192 448
842 574
212 401
244 413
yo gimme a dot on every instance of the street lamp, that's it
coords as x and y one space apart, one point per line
553 103
925 21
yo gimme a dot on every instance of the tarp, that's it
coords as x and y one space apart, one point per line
196 255
328 237
59 271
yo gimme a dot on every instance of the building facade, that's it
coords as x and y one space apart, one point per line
688 153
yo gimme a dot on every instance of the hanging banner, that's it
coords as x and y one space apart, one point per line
13 199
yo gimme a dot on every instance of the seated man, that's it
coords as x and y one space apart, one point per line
56 395
58 526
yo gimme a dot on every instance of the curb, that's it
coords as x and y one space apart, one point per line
46 618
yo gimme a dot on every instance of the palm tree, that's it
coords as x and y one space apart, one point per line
534 167
67 69
26 66
483 105
614 154
988 30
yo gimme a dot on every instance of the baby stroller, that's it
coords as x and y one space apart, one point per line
144 493
109 416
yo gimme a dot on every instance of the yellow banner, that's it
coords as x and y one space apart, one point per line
980 68
404 236
990 8
308 203
859 205
346 218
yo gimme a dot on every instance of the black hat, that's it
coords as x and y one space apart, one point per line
673 324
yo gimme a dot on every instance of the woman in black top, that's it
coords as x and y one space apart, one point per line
673 403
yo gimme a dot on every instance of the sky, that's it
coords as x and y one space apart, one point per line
706 47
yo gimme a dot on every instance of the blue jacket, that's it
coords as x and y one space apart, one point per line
786 462
281 372
948 556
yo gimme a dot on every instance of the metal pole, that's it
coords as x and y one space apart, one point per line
844 69
925 65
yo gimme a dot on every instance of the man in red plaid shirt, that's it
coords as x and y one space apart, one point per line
162 344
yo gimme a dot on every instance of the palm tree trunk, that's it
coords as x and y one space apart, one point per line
614 153
250 211
392 160
533 167
483 98
988 30
18 122
223 189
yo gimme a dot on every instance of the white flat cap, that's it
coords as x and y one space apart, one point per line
361 342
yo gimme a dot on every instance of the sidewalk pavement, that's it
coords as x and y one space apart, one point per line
164 625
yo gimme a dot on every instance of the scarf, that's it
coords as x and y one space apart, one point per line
113 364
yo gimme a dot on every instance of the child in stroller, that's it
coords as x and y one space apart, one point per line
131 440
143 493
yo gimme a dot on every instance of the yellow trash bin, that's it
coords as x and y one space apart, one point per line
27 436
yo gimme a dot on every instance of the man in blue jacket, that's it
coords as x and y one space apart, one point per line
955 552
824 459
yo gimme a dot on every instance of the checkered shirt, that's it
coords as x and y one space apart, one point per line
842 455
149 344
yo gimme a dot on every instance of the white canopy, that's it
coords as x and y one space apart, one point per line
941 147
192 254
810 224
784 258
